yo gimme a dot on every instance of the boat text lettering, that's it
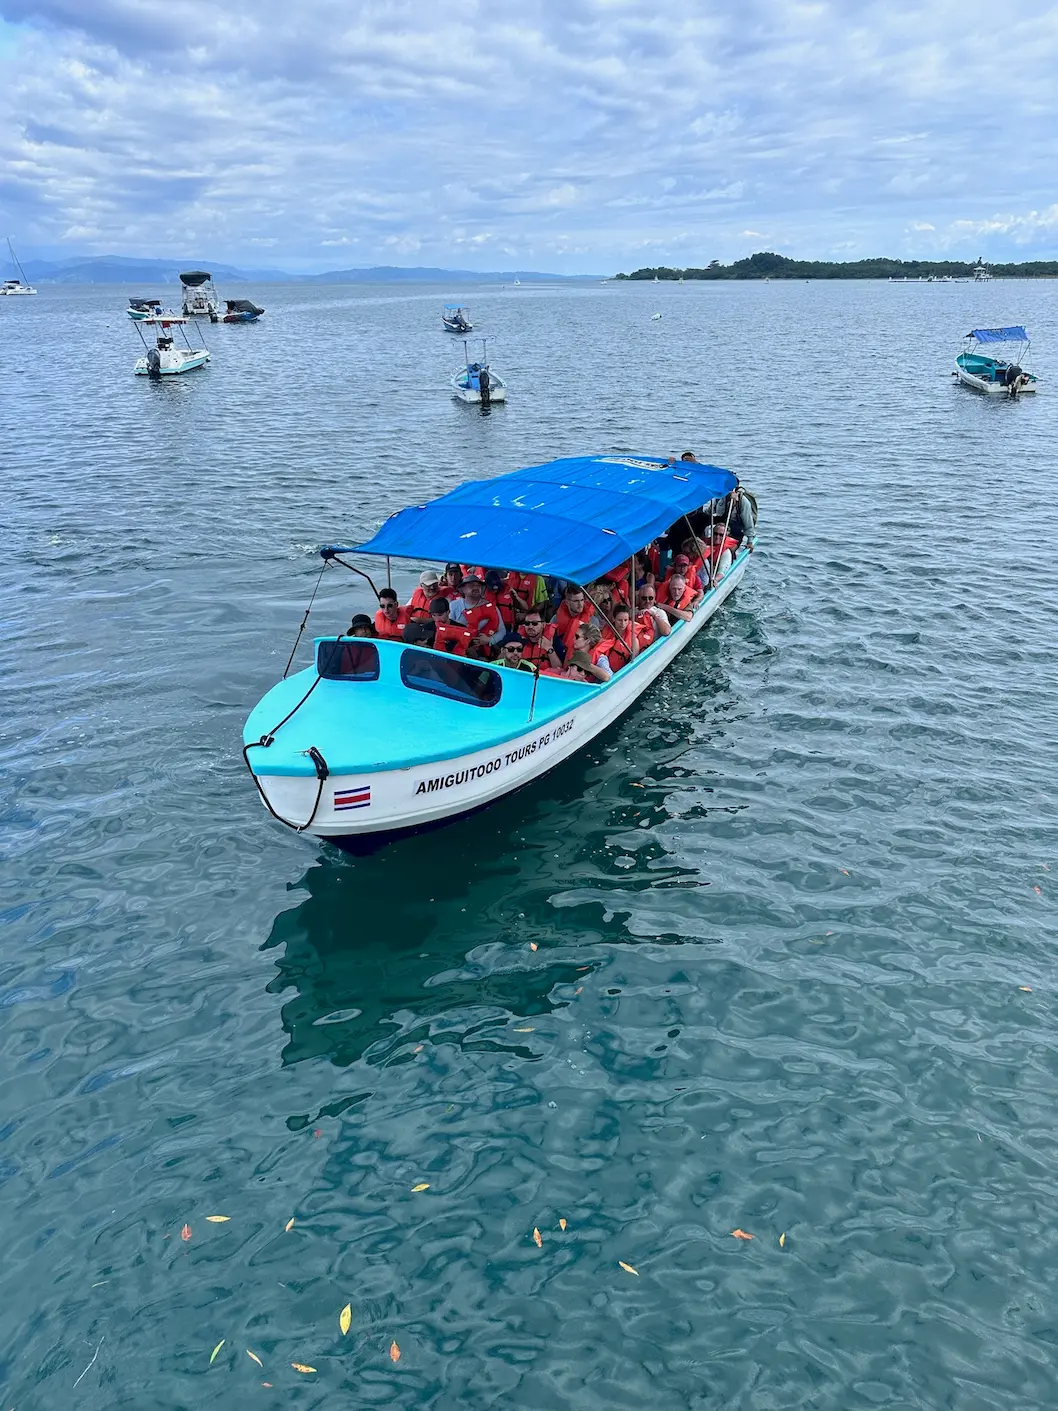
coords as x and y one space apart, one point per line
479 771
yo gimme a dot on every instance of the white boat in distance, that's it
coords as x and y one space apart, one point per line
20 285
476 382
382 737
200 295
166 357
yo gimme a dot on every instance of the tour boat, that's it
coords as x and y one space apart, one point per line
20 285
1005 376
456 318
200 295
476 382
166 358
241 311
378 737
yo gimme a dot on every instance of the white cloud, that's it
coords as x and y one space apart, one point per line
582 131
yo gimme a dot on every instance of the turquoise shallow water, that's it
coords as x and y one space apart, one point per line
754 960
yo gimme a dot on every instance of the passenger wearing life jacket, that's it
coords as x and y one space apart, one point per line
677 598
391 619
538 640
651 621
573 610
449 636
428 589
481 617
500 596
588 639
617 647
527 590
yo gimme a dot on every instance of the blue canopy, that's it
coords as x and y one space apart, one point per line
573 518
1000 335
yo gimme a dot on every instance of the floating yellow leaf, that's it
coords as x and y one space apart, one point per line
185 1233
213 1354
289 1225
562 1223
394 1352
628 1268
301 1367
538 1239
740 1235
255 1357
1027 989
218 1219
528 1029
422 1186
782 1240
345 1318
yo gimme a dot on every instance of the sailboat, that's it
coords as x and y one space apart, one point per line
20 285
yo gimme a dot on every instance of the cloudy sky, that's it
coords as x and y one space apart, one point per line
570 135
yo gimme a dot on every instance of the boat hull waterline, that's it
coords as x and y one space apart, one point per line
169 365
993 388
425 794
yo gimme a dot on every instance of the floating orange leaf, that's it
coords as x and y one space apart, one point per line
1037 891
213 1354
218 1219
782 1240
562 1223
185 1233
394 1352
255 1357
538 1239
289 1225
422 1186
741 1235
628 1268
318 1132
345 1318
532 945
266 1384
301 1367
1026 988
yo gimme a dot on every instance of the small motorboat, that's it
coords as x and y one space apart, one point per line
998 375
200 296
382 737
477 382
20 285
166 357
456 318
240 311
140 309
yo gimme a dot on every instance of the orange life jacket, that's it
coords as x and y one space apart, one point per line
391 631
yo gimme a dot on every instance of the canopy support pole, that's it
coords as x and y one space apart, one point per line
634 650
389 575
713 566
697 541
532 698
599 610
330 554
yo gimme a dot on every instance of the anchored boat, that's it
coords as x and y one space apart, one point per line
987 373
456 318
379 737
477 382
166 357
139 309
20 285
241 311
200 295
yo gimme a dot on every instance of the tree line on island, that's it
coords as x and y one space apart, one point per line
767 265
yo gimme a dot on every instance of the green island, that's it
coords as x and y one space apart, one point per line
767 265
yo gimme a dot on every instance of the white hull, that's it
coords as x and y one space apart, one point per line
994 389
497 394
424 794
174 361
22 289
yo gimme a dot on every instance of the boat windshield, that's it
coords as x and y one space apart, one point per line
347 661
456 680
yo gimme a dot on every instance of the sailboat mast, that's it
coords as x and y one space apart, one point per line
21 271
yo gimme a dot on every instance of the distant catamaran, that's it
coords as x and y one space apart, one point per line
20 285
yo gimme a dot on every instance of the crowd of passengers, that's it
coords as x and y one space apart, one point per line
557 628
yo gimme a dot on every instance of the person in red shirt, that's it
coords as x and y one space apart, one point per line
391 619
449 636
428 589
573 609
538 639
677 598
481 617
500 596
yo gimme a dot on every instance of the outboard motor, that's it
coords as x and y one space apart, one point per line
154 363
1012 379
485 387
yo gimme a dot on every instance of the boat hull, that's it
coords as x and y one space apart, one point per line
993 389
388 803
170 367
14 293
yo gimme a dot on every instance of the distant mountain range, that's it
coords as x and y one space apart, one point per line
117 269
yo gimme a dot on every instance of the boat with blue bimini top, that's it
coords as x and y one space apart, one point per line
986 372
476 382
456 318
166 357
385 734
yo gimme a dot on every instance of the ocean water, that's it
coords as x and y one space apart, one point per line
773 955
